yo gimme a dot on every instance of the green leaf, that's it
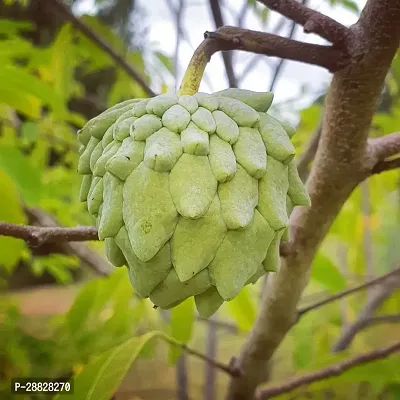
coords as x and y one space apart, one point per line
10 27
166 61
303 346
101 377
29 131
63 62
243 310
10 211
351 5
19 168
327 274
15 47
20 101
80 310
13 78
182 319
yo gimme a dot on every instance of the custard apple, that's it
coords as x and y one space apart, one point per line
191 193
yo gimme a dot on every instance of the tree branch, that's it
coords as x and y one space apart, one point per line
230 369
279 67
339 166
389 165
309 153
87 31
227 57
385 146
311 20
210 373
328 372
383 319
378 296
88 256
36 236
379 280
232 38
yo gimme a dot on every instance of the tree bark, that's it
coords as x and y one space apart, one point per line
343 160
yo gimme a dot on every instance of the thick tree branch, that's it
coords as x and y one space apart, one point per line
385 146
311 20
227 57
232 38
87 31
339 166
328 372
373 282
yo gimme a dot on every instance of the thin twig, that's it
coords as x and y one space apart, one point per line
227 57
328 372
182 378
229 369
376 299
383 319
242 14
308 155
311 20
232 38
227 326
279 67
211 351
372 282
87 31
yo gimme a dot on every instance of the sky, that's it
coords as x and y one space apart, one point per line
197 19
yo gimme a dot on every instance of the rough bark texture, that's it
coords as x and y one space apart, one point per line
343 160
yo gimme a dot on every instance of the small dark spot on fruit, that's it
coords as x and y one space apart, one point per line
128 158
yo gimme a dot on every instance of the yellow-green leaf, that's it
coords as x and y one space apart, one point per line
182 319
10 211
327 273
100 378
243 310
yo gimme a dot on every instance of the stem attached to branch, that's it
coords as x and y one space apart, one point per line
197 65
231 38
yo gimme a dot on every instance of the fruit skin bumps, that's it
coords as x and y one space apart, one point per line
191 193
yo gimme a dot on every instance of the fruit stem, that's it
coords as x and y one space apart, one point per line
194 72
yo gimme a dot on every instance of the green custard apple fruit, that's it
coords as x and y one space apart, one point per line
191 193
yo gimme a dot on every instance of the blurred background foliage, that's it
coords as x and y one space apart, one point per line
57 315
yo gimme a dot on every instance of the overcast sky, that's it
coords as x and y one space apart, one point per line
197 19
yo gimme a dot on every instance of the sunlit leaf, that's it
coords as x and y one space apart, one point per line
181 325
99 379
24 175
243 309
14 78
10 211
15 47
21 101
327 273
11 27
80 310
